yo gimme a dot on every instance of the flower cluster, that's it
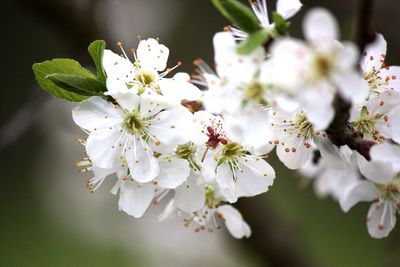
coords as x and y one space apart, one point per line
201 142
156 147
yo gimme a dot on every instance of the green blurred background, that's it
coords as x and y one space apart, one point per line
49 219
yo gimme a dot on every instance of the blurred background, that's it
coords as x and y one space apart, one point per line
48 218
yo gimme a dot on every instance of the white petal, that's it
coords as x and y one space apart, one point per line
226 182
103 147
288 8
377 171
128 100
119 70
394 125
374 54
294 154
135 198
152 55
96 113
386 152
347 56
320 27
320 113
381 219
231 66
256 178
392 76
208 165
173 171
352 86
256 139
289 66
234 221
179 88
143 166
357 192
190 196
171 127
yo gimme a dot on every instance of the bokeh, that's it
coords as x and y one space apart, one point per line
48 218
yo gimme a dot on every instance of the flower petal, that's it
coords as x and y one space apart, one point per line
173 171
96 113
119 70
387 152
294 154
381 219
352 86
377 171
135 198
255 178
103 147
143 166
320 27
170 127
374 55
152 55
190 196
179 88
288 8
234 221
357 192
231 66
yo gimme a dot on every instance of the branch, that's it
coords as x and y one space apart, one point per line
340 132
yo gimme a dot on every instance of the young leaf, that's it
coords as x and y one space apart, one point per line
253 41
238 14
281 25
61 66
96 50
79 84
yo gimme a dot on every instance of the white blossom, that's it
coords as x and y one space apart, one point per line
382 186
317 69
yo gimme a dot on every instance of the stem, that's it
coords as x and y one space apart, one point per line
339 131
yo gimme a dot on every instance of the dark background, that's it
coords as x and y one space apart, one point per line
49 219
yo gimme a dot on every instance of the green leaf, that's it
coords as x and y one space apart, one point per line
253 41
281 25
238 14
79 84
60 66
96 51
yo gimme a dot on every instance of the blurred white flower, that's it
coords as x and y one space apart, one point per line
382 186
317 69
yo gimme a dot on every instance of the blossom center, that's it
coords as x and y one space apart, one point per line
391 191
303 126
368 122
232 151
133 122
323 66
254 92
212 201
146 78
374 80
